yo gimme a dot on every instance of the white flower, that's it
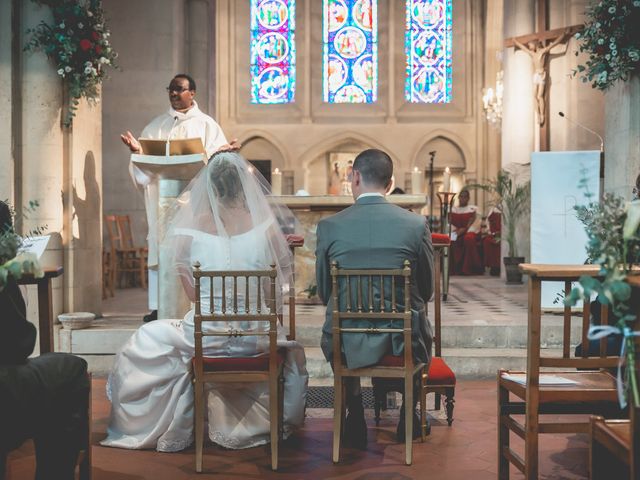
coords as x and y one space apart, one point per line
80 26
61 26
89 14
601 41
87 64
636 3
612 9
61 72
87 70
607 56
67 69
94 72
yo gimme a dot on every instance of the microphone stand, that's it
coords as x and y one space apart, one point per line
432 156
601 149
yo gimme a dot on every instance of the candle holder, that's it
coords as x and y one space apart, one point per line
446 204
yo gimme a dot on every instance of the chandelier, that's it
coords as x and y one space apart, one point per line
492 102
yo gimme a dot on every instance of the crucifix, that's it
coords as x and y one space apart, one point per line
538 46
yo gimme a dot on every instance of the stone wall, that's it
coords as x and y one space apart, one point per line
42 161
210 39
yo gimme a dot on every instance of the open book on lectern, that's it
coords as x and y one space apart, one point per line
184 146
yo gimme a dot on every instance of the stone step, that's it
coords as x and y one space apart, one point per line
467 363
470 336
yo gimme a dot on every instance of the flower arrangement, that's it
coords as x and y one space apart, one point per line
611 39
12 263
78 43
613 231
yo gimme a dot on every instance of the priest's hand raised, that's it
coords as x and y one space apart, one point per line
130 141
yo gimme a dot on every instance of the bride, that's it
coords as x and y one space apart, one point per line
224 221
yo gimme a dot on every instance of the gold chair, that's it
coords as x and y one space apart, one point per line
261 368
360 304
594 390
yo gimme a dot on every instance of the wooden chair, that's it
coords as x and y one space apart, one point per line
360 304
439 379
594 390
127 257
614 449
108 274
294 241
261 368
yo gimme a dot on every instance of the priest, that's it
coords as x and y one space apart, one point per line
182 120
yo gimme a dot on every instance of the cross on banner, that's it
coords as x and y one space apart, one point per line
536 46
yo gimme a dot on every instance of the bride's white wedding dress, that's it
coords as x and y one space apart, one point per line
150 386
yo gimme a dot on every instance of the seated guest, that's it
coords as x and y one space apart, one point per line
491 242
43 398
465 252
374 233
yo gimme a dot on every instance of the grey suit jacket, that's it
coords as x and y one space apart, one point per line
373 233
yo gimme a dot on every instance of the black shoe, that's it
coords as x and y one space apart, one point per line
355 426
150 317
417 427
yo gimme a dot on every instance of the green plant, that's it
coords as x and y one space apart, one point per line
612 228
512 199
611 39
12 262
311 290
78 43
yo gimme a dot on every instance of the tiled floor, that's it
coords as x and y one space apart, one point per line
465 451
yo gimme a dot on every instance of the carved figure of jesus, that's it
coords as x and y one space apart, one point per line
539 53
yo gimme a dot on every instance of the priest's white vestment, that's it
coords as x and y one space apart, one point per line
171 125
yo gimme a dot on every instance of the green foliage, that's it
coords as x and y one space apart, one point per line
512 199
311 290
13 264
611 37
78 43
613 233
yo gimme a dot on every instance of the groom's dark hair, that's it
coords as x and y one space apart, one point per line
375 167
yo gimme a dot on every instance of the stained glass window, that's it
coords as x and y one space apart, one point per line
350 56
428 40
273 51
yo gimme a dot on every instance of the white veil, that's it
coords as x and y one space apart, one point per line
228 198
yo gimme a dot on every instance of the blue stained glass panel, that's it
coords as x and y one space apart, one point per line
273 51
350 51
428 38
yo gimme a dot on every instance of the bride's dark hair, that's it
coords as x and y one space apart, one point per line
225 181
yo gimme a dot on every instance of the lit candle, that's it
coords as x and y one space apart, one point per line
446 180
416 181
276 182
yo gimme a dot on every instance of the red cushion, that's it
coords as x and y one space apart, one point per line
295 240
391 361
259 363
440 238
440 373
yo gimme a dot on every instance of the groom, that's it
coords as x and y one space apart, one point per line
373 233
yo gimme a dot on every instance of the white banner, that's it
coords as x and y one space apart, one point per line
557 236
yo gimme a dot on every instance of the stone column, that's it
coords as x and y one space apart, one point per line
60 168
517 120
622 137
6 104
